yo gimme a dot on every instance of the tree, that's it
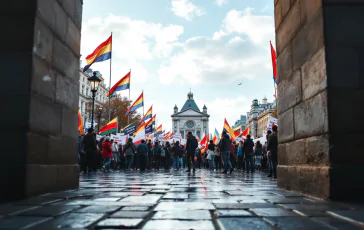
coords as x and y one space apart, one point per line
274 113
118 108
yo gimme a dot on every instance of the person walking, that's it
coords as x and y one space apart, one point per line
249 154
150 154
115 154
129 150
225 144
241 156
107 154
272 147
89 147
177 151
167 155
157 151
217 158
121 155
191 147
258 155
233 152
142 150
211 148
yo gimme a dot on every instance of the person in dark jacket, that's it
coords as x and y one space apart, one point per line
142 150
157 155
167 158
122 157
150 154
272 147
129 150
224 145
211 148
89 147
269 132
177 155
79 143
190 151
249 154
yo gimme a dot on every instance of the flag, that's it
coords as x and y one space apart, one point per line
274 62
136 105
123 84
80 123
111 127
153 119
149 126
140 134
129 129
204 144
101 53
237 130
245 132
148 114
216 138
228 129
158 131
210 136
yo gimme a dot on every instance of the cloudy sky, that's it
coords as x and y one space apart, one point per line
172 46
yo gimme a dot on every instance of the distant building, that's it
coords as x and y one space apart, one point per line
85 98
253 115
190 118
241 122
264 117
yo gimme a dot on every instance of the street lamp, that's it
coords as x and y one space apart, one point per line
99 117
94 83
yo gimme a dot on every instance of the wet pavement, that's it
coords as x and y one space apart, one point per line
177 200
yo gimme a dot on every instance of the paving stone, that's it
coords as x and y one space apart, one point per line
175 196
232 213
72 220
178 224
242 223
119 223
310 210
50 211
21 222
98 209
40 200
353 216
186 206
183 215
243 206
276 212
141 199
130 214
107 199
9 209
335 223
294 223
141 208
253 201
289 201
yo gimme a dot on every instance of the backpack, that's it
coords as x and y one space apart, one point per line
163 152
194 143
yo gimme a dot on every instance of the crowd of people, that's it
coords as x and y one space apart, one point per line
106 155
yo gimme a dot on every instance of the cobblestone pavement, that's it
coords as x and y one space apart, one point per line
177 200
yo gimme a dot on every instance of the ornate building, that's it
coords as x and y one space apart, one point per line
264 117
190 118
253 115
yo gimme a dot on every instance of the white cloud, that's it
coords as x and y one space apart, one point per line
186 9
221 2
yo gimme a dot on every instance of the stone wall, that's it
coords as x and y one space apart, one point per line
40 63
318 55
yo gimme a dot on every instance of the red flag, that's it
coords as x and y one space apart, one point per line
274 62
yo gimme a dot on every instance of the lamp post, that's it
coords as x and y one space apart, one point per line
94 83
99 118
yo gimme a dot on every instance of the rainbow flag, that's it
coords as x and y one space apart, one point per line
158 131
101 53
154 118
111 127
149 126
148 114
274 62
237 130
228 129
140 128
80 123
136 105
123 84
216 138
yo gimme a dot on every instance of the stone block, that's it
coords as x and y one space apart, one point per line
62 150
46 11
43 41
275 2
309 9
65 60
60 21
277 15
284 64
305 179
78 14
67 92
317 150
286 126
37 149
69 7
288 28
292 153
314 78
69 123
289 92
310 117
47 122
308 41
73 37
286 6
16 114
43 80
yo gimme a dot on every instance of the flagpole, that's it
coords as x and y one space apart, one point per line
110 75
129 90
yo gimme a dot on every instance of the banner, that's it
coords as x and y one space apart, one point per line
162 138
176 137
130 129
272 121
119 138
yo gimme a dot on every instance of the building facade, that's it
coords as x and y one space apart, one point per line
255 109
264 117
85 98
241 122
190 118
